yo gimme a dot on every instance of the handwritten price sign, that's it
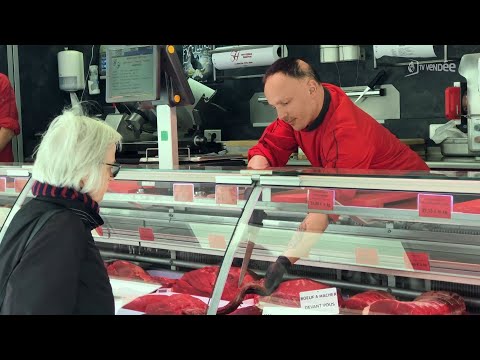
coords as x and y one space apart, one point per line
20 184
217 241
435 206
99 230
366 256
417 260
320 199
183 192
226 194
146 233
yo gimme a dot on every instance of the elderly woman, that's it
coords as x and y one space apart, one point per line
49 263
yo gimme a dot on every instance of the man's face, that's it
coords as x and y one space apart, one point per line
292 100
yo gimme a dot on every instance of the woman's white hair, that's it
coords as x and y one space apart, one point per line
74 149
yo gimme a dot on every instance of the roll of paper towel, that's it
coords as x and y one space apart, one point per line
247 58
328 53
349 52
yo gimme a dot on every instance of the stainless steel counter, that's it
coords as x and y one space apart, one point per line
454 165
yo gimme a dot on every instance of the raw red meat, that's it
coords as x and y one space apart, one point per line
364 299
288 292
201 282
429 303
248 310
176 304
127 270
472 207
164 281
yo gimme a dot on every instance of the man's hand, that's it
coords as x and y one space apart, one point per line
307 234
258 162
6 135
275 273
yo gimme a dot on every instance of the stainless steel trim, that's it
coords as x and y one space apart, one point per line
368 93
18 98
281 181
471 165
234 179
175 176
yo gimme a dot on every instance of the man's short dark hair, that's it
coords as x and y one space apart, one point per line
290 66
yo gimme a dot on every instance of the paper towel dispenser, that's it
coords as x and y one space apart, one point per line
70 70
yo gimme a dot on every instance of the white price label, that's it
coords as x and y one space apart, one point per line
148 183
324 300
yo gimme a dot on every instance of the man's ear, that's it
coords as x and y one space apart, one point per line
312 86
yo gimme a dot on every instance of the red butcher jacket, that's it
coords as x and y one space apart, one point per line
8 115
343 136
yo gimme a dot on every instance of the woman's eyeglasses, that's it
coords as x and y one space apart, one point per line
115 168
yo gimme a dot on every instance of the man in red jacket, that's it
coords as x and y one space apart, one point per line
332 132
9 126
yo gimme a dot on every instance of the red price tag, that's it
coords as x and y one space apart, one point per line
226 194
417 261
366 256
320 199
20 184
435 206
217 241
183 192
146 233
3 184
99 231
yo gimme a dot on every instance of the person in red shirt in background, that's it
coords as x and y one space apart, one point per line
331 130
9 126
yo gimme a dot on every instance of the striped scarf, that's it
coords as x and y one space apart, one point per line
45 190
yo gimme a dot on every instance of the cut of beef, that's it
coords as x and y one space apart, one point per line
248 310
176 304
201 282
127 270
364 299
429 303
